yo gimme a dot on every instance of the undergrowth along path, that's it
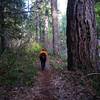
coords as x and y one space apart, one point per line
52 84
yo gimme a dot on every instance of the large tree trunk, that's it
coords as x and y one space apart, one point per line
81 35
55 26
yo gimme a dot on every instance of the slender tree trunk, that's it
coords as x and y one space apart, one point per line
2 28
40 31
37 21
81 35
2 44
55 26
37 27
46 32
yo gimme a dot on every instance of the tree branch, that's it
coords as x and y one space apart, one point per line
20 12
90 75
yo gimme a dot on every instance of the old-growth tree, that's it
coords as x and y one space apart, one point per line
81 35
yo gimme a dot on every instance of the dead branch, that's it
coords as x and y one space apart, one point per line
89 75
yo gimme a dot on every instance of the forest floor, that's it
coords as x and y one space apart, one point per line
51 84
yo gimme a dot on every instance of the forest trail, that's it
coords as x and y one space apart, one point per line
44 88
45 85
50 85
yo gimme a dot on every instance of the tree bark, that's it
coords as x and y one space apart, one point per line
2 27
37 21
81 35
46 32
55 26
37 27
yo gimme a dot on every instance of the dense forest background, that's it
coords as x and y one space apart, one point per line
26 26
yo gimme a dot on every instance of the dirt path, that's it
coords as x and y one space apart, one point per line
50 85
43 89
46 88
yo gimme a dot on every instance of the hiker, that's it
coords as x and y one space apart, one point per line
43 58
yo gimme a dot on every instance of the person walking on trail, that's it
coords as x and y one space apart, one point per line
43 58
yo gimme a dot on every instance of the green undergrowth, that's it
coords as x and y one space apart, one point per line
96 83
98 47
17 67
57 62
33 47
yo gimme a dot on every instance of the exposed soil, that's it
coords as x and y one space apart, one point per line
51 84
